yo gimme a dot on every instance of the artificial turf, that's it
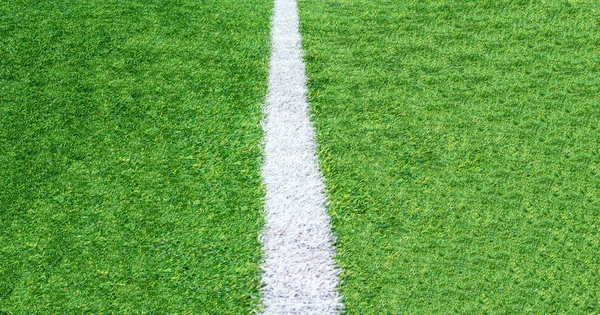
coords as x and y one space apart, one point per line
460 145
129 155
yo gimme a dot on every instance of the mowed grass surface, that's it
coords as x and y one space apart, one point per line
460 144
129 156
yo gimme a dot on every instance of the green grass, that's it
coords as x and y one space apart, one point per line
129 155
461 146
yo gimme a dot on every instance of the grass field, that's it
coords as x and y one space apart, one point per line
460 145
459 140
130 156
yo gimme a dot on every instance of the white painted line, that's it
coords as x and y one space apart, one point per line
299 273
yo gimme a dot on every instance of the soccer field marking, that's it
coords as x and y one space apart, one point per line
299 273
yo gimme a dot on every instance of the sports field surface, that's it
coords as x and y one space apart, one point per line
130 156
459 143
